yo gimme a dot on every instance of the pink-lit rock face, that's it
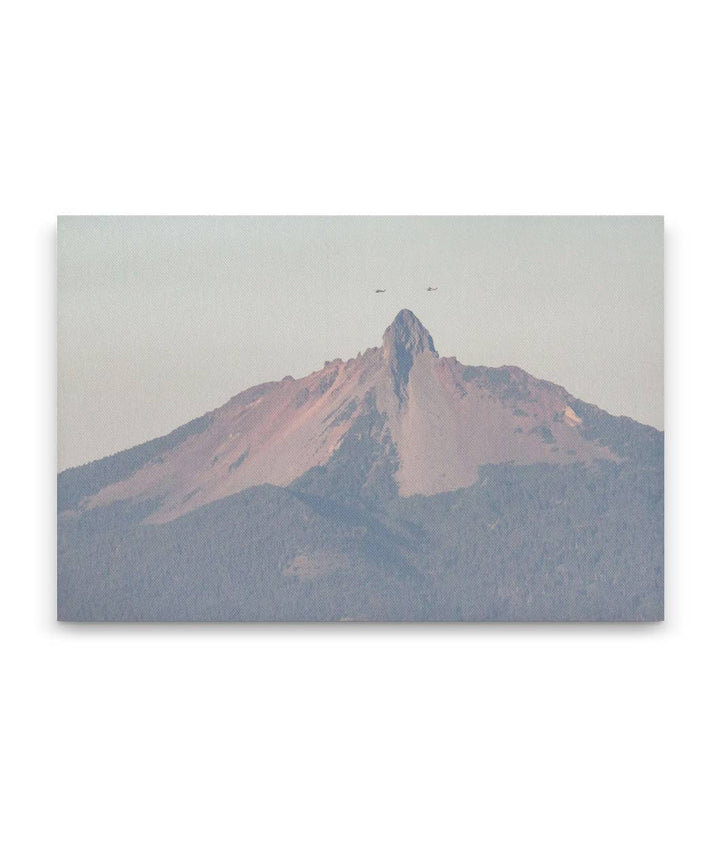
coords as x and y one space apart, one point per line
445 420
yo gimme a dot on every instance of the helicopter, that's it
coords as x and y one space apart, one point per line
430 288
380 290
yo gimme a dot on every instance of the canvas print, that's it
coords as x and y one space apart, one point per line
360 419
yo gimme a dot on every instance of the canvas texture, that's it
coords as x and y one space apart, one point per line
360 419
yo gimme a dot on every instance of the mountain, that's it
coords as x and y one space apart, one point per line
396 485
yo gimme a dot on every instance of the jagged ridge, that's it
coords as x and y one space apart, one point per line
440 422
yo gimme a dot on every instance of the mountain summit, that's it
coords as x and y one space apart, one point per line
407 335
396 485
404 339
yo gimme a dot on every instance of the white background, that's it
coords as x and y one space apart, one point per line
359 739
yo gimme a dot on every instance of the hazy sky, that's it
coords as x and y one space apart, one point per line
164 318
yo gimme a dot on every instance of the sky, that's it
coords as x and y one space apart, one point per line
161 319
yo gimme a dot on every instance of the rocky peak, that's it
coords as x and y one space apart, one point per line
406 333
403 340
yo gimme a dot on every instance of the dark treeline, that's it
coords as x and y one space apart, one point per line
537 542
